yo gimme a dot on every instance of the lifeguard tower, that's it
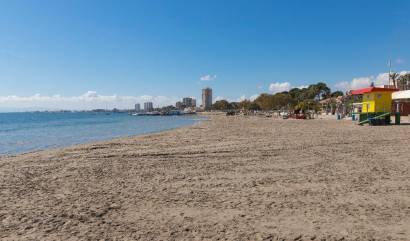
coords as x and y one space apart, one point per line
376 105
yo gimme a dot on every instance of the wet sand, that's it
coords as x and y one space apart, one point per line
229 178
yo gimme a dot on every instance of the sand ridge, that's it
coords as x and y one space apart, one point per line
229 178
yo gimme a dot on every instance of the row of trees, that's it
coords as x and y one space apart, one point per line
401 82
296 99
299 98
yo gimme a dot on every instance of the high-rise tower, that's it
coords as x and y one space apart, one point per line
207 98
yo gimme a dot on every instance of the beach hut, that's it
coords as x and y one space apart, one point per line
401 102
376 105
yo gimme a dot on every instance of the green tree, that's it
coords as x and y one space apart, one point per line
264 101
393 77
321 91
254 106
308 105
297 94
233 106
281 100
245 104
296 98
336 93
220 105
403 82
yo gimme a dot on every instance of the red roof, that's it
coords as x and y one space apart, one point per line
371 89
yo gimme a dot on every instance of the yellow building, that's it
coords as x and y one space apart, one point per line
376 105
375 100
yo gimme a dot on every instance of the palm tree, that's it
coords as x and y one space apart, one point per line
404 82
393 77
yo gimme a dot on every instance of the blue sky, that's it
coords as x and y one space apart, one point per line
161 49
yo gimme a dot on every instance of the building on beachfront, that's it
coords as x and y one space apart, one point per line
137 108
189 102
148 106
375 99
207 98
376 103
401 102
180 105
329 105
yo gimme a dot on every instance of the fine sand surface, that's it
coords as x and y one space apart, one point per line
229 178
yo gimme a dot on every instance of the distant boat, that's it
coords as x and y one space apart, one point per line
174 112
189 112
154 113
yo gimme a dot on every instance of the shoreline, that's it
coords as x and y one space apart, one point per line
102 140
231 178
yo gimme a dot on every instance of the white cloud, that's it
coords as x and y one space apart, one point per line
208 77
251 98
279 87
356 83
363 82
302 86
87 101
218 98
242 98
382 79
343 85
404 72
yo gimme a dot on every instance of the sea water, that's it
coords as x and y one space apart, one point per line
23 132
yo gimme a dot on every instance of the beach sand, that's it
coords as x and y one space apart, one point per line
229 178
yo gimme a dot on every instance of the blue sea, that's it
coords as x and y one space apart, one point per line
23 132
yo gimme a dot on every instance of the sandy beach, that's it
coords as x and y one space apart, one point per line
228 178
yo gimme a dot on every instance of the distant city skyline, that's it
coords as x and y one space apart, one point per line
148 106
106 54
